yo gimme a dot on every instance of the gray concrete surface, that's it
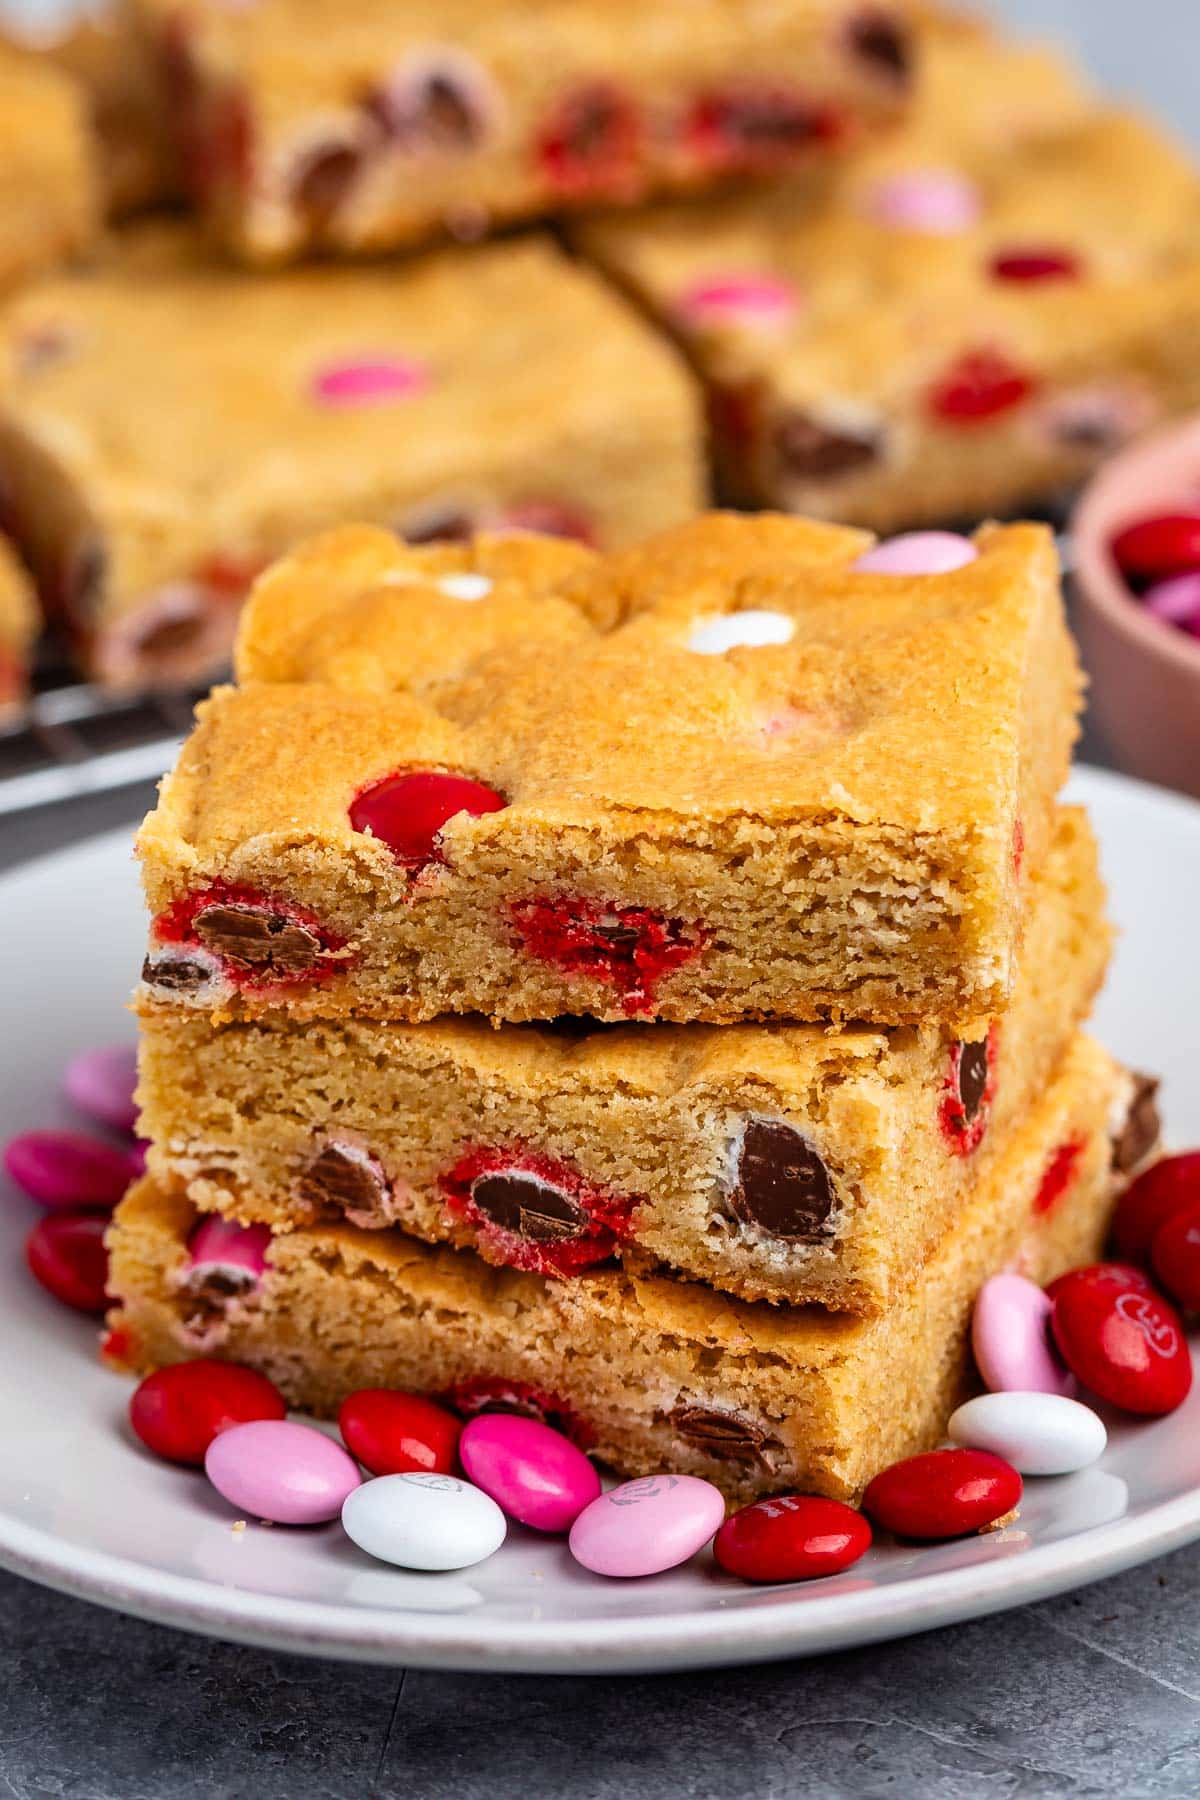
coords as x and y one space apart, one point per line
1094 1694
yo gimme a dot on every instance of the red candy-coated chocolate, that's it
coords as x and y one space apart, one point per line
1111 1274
1166 1187
393 1433
66 1253
793 1537
943 1494
1175 1255
178 1411
586 1221
408 811
980 386
632 948
1124 1343
1036 263
1155 548
68 1169
589 144
753 130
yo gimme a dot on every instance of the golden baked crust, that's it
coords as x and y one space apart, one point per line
508 384
782 1162
913 374
843 823
19 621
658 1373
49 209
307 125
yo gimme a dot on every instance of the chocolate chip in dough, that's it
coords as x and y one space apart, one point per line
520 1203
883 42
726 1436
810 451
176 974
1142 1127
260 939
347 1183
783 1187
322 182
973 1074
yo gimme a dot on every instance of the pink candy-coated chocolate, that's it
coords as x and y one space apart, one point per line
1177 601
279 1470
937 201
67 1169
369 381
918 553
534 1474
101 1083
1010 1335
743 299
646 1526
226 1244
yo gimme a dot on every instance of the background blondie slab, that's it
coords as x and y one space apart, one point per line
505 385
308 125
49 206
106 49
843 822
966 321
780 1162
656 1374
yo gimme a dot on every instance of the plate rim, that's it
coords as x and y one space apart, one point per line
795 1623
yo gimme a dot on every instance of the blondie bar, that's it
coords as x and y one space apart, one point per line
169 426
305 125
965 323
49 206
652 1374
781 1162
19 621
726 774
108 52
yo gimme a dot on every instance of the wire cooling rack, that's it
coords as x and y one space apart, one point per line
72 740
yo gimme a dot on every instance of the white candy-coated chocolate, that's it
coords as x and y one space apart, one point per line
1039 1434
750 630
424 1521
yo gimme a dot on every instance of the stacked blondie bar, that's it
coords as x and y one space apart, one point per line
642 990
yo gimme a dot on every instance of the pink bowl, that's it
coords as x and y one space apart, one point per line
1145 674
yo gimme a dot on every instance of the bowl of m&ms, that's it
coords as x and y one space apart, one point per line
1137 572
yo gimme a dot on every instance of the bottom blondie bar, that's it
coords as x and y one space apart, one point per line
648 1372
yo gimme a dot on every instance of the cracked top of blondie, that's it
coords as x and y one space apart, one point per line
734 669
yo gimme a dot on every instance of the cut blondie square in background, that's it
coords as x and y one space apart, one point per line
49 204
107 51
20 622
309 126
789 1163
649 1372
503 386
726 774
967 320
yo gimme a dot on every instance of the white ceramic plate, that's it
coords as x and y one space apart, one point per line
84 1509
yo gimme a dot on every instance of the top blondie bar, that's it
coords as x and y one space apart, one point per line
729 773
317 125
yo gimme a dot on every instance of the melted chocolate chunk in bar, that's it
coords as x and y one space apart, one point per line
810 451
529 1208
973 1072
176 974
258 938
1142 1127
322 182
83 581
783 1187
882 41
348 1183
726 1436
